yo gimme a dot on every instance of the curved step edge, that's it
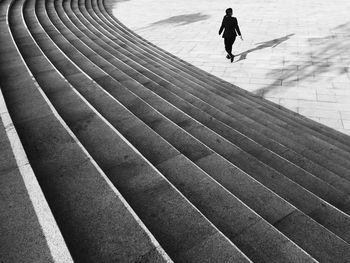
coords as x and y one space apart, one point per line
138 222
51 233
239 256
106 7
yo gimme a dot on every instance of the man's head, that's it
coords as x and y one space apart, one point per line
229 11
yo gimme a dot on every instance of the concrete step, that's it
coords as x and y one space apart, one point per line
73 185
112 114
28 229
339 181
313 168
111 91
157 151
277 135
111 83
312 183
180 140
173 79
192 67
178 226
236 91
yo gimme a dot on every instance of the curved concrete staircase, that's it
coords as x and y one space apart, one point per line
142 157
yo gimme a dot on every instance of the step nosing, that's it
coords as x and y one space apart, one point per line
176 95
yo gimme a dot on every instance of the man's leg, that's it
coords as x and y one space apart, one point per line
231 44
228 45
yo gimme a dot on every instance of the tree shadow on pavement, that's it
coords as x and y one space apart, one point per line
261 45
329 54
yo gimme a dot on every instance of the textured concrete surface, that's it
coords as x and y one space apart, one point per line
294 53
19 224
28 229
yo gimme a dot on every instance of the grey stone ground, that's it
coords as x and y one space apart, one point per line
295 53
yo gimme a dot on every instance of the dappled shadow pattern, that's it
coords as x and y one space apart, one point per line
181 20
327 54
261 45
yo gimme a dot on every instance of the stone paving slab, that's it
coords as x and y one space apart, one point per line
295 53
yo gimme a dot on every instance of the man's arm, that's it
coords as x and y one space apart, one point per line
237 28
222 26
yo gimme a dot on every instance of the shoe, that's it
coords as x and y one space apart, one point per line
228 56
232 58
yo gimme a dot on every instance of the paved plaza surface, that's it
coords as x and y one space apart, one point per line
295 53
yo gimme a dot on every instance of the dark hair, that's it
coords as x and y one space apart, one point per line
228 10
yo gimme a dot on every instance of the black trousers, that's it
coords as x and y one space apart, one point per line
228 44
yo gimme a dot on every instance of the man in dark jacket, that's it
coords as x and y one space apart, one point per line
231 30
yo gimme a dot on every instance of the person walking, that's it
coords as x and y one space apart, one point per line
231 29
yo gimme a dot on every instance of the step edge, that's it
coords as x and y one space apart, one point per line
93 162
53 237
138 153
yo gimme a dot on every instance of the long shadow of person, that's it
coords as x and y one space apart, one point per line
179 20
261 45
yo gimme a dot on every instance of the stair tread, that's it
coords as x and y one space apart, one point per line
60 154
131 129
23 199
207 76
84 125
136 106
212 171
